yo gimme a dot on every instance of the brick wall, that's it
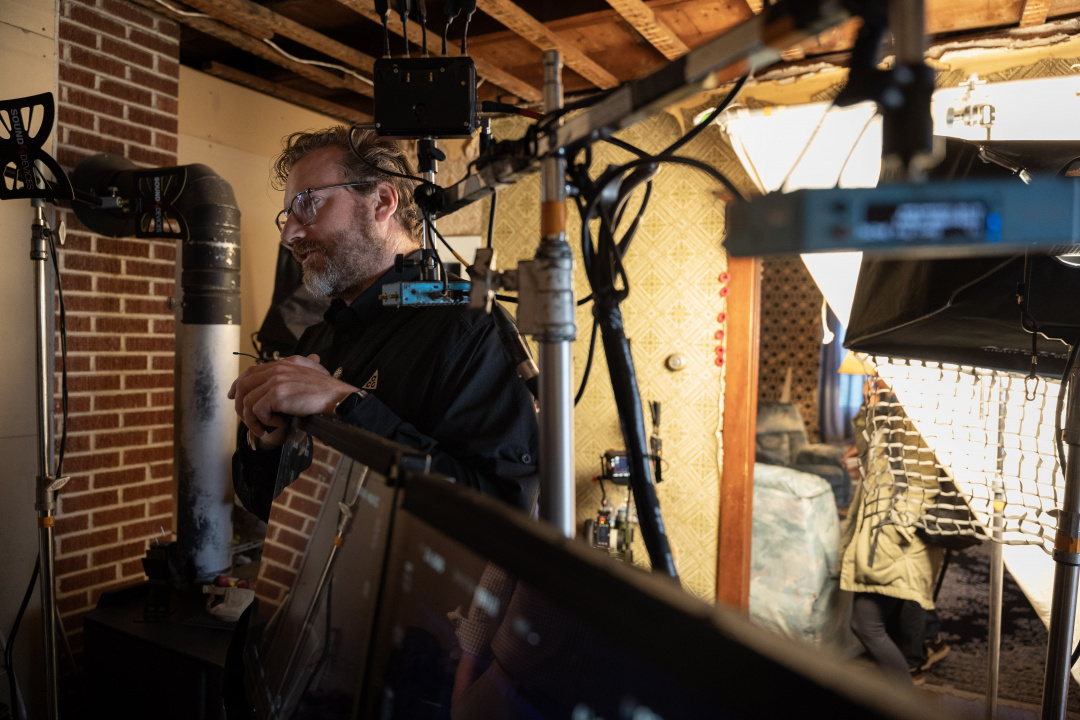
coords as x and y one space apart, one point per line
118 75
292 520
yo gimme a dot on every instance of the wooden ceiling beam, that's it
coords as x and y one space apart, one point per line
256 47
531 29
296 97
239 13
484 69
1034 12
644 20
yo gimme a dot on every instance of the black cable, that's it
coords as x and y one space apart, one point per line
451 10
1061 405
588 363
941 573
700 127
62 445
8 655
384 171
382 8
626 146
465 31
435 252
491 220
420 9
448 245
677 160
610 286
402 7
554 115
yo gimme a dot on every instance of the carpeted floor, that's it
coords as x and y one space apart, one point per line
963 606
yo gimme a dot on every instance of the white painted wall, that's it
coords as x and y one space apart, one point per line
28 51
237 132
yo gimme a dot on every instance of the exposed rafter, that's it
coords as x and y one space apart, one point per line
285 93
644 20
1034 12
484 69
244 13
257 47
531 29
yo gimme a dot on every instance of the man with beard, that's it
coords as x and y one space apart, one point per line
437 379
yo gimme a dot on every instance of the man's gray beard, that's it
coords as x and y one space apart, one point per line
354 260
325 282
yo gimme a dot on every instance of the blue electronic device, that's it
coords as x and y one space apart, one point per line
426 293
932 219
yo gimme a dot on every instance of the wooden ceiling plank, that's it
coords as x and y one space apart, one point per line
496 75
287 94
233 12
256 47
528 27
644 20
965 15
1034 12
484 69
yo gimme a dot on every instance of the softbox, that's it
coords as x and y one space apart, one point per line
965 311
968 311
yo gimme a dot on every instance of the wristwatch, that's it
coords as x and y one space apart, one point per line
347 404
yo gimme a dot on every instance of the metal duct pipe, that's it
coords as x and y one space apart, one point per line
207 335
194 205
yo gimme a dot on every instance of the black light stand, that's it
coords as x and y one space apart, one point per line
22 149
48 484
1067 563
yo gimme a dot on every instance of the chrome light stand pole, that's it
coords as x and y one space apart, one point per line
1067 559
47 483
553 273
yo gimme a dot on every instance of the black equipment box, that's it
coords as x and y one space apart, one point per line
425 97
171 669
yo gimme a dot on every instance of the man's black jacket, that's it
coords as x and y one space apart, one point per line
439 380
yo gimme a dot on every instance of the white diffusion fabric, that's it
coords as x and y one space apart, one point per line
991 432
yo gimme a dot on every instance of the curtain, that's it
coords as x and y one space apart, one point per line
839 396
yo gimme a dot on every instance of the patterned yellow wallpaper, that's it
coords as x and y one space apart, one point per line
673 265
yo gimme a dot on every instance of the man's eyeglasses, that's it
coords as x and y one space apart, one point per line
303 205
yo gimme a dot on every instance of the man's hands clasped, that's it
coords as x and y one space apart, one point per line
297 385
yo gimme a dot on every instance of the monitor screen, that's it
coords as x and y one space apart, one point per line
304 660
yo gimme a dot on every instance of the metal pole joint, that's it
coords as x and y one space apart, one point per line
546 294
1067 539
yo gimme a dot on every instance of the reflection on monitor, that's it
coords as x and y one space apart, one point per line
306 661
463 638
422 599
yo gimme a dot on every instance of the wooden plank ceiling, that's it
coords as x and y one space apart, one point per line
320 53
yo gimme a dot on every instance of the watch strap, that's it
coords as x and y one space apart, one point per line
348 403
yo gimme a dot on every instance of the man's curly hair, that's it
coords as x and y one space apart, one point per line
365 146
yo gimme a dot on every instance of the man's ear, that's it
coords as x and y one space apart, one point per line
386 201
